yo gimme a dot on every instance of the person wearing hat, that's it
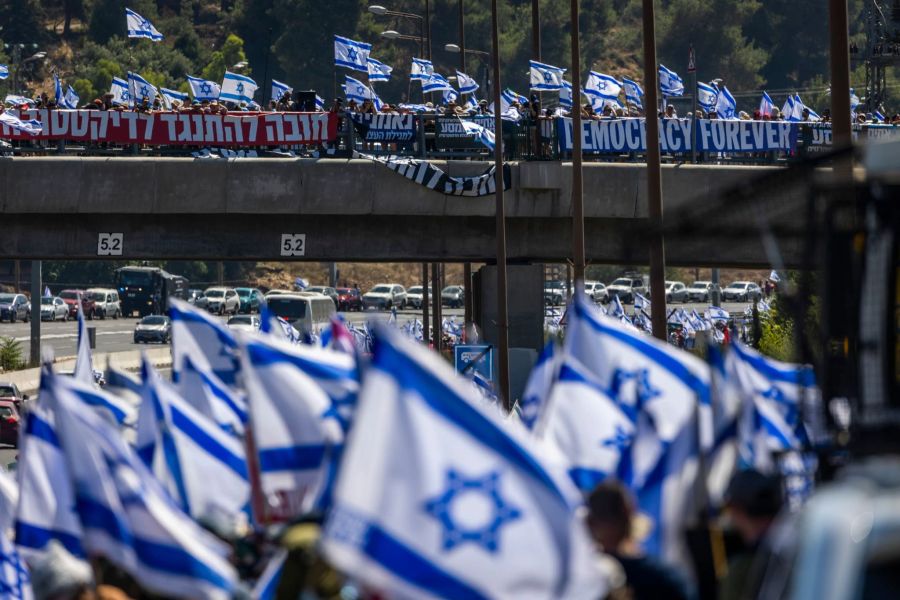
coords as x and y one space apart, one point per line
752 503
671 113
617 529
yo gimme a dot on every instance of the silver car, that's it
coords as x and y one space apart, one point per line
53 308
223 300
742 291
596 291
676 292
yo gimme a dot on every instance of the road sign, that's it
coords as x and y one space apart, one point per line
475 357
293 244
692 62
110 244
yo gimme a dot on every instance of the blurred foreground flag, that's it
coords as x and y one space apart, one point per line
438 498
31 127
205 339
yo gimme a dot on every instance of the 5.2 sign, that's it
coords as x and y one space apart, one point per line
110 244
293 244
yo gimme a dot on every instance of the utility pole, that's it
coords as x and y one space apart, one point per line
34 357
426 326
577 185
436 307
500 218
692 69
467 267
654 177
840 84
536 29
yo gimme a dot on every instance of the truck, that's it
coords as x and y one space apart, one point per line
146 290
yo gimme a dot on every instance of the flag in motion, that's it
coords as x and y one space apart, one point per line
546 78
670 84
378 71
351 54
203 89
139 27
237 88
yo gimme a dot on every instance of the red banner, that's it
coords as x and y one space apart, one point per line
178 129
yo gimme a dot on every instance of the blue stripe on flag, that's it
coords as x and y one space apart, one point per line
209 445
801 376
32 536
37 427
291 458
262 355
587 479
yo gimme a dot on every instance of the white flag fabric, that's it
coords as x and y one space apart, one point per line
421 69
726 105
378 71
545 78
438 497
126 515
4 72
84 365
170 96
466 84
121 96
31 126
237 88
279 89
482 133
211 397
210 345
670 84
766 106
540 382
203 89
436 83
16 100
356 90
602 86
140 89
15 582
351 54
773 276
139 27
565 95
633 92
707 95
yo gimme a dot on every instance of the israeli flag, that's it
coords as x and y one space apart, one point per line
707 95
436 83
15 581
773 276
726 105
31 126
540 382
212 398
201 466
9 499
302 400
140 89
482 511
511 96
633 92
717 314
202 337
279 89
46 505
565 95
878 116
378 71
471 103
854 100
84 366
670 84
787 110
641 302
351 54
665 391
798 108
127 517
72 98
169 96
15 100
356 90
320 103
237 88
586 425
202 89
466 84
546 78
139 27
69 99
421 70
766 106
449 96
602 86
4 72
482 133
267 584
121 96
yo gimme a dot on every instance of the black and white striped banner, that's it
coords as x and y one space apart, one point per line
424 173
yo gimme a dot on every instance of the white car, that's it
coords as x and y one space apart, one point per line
53 308
223 300
385 296
626 289
277 292
596 291
414 296
742 291
701 291
243 323
106 302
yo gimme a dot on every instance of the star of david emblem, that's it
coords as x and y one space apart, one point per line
548 77
145 24
351 54
620 440
205 88
601 85
240 88
456 529
126 95
145 91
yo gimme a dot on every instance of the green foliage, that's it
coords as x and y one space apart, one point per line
10 354
232 52
21 21
777 340
85 90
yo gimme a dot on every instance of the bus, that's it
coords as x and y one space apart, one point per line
146 290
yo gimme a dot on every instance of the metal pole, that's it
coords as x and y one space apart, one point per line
536 30
34 357
715 297
462 38
436 307
694 112
577 187
500 217
840 83
220 272
467 267
428 27
17 275
654 178
426 326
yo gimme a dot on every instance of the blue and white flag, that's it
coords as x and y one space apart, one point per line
787 111
471 103
201 466
125 514
139 27
466 84
320 103
641 302
854 100
773 276
121 96
726 105
71 98
237 88
267 584
565 95
545 78
664 391
421 70
798 108
212 398
15 581
717 314
356 90
203 89
378 71
31 126
4 72
766 106
279 89
511 96
68 99
481 511
878 116
302 400
202 337
351 54
170 96
633 92
670 84
602 86
587 426
140 89
482 133
449 96
84 366
540 382
707 94
16 100
9 500
436 83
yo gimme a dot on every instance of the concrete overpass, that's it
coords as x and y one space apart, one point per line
355 210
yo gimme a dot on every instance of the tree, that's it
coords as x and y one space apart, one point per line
232 52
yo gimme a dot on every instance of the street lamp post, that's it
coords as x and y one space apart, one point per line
456 49
424 26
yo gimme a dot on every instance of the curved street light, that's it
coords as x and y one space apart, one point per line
375 9
390 34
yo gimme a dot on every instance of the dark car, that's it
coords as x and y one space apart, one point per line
197 298
327 291
14 307
70 297
153 328
453 296
250 298
10 392
9 423
349 299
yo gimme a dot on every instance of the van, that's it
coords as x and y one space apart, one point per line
308 312
106 302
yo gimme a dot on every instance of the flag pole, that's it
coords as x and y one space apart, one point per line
692 68
578 253
500 217
654 178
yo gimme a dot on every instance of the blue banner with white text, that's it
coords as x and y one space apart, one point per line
385 127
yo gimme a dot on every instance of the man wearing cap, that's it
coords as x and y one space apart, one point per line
752 502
